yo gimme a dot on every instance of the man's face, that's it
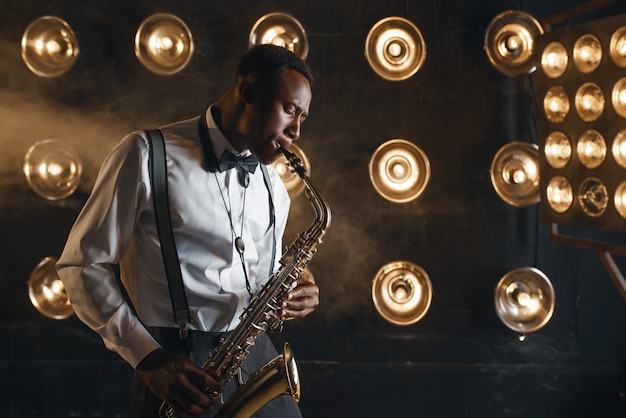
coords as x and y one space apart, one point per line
275 120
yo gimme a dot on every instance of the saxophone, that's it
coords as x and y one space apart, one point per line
279 376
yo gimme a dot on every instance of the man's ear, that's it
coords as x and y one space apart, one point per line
248 92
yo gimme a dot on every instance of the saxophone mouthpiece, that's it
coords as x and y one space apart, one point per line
294 162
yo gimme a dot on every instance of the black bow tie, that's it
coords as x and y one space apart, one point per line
228 160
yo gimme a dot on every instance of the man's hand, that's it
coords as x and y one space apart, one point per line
301 301
177 380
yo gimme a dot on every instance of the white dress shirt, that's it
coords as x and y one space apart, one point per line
117 225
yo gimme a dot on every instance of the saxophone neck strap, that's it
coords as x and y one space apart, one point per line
160 199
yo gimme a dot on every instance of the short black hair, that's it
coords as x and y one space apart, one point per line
266 62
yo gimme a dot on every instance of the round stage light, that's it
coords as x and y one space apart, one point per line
510 42
559 194
52 168
617 48
556 104
402 292
618 97
558 150
591 149
46 291
399 170
619 148
395 48
589 102
280 29
554 59
164 44
49 46
524 299
587 53
619 200
593 197
515 173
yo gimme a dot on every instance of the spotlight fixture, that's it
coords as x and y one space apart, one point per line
280 29
395 48
524 299
557 150
618 97
402 292
291 180
583 153
556 104
589 102
399 170
554 60
49 47
46 291
515 173
52 168
510 42
617 48
164 44
587 53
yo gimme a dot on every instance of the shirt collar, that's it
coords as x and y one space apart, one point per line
213 141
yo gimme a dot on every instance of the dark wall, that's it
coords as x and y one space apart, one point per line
460 360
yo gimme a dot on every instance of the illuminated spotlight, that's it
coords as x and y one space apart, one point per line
292 181
593 197
581 119
280 29
591 149
617 49
524 299
554 60
395 48
587 53
46 291
556 104
619 148
52 168
510 42
49 46
589 102
618 97
164 44
619 200
515 173
560 194
399 170
402 292
558 150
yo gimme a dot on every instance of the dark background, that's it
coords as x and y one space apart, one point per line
459 360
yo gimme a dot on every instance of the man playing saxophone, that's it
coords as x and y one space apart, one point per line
227 214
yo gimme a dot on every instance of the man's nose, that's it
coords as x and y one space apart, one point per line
293 131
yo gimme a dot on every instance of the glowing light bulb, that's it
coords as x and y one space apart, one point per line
559 194
556 104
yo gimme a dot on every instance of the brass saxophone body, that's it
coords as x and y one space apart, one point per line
279 376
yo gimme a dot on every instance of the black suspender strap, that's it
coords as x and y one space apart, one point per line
268 185
158 177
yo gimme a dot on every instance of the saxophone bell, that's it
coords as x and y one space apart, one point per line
278 377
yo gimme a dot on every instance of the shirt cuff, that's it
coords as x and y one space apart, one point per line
140 344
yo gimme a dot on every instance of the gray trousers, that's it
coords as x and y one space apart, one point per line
144 404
